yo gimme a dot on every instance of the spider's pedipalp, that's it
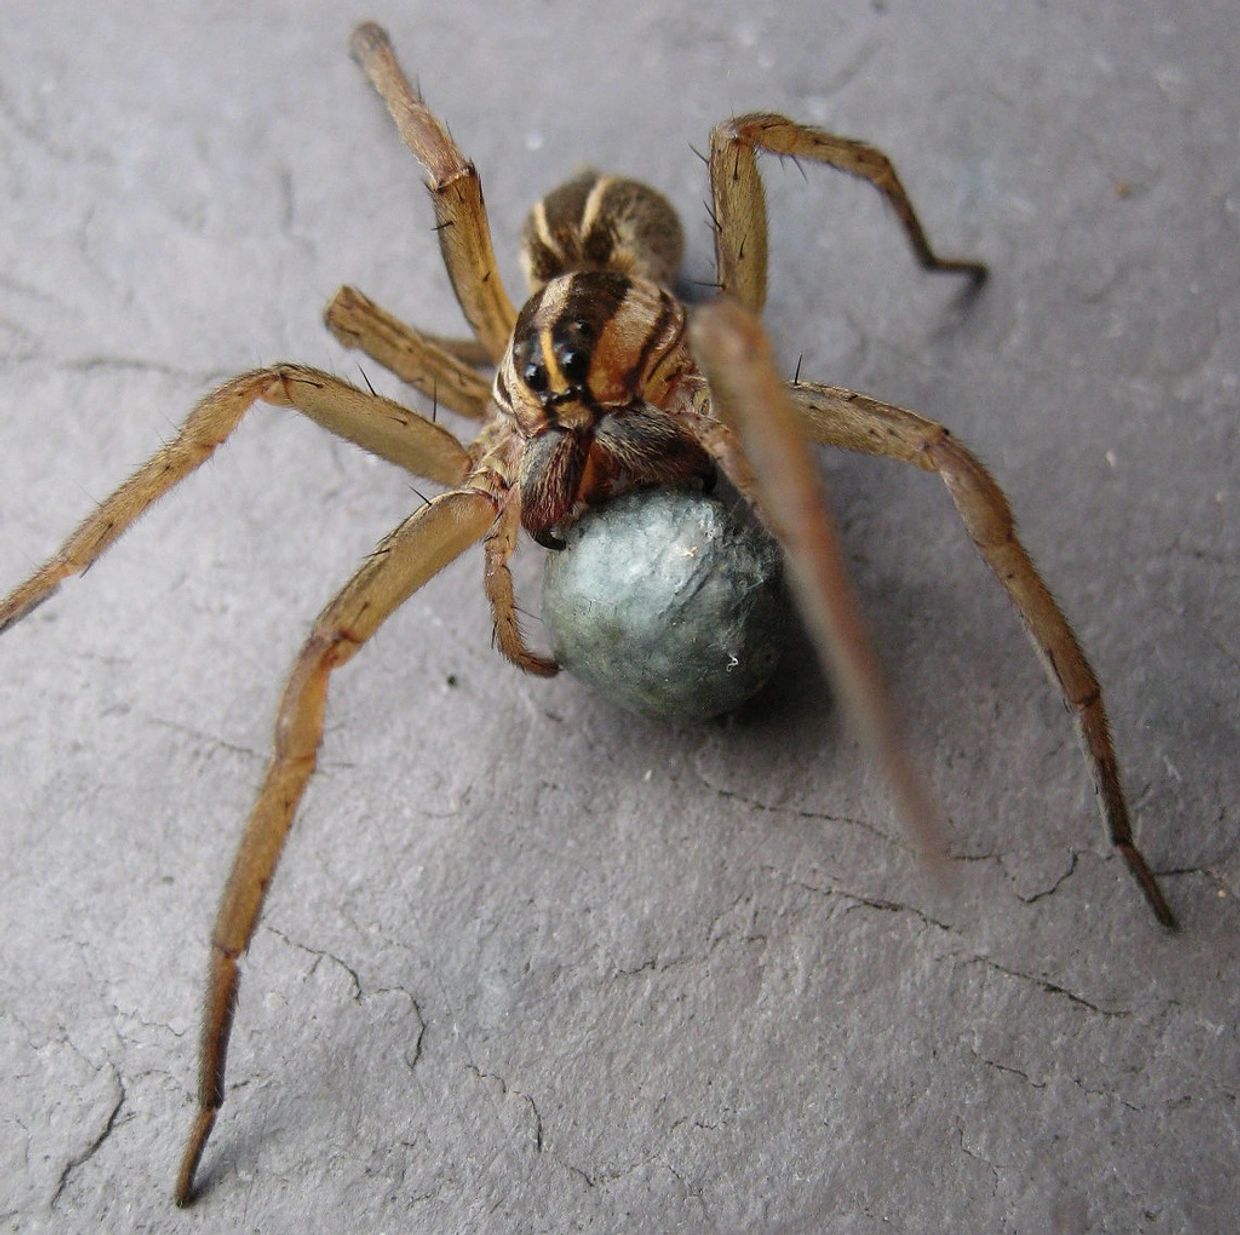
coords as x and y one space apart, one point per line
498 548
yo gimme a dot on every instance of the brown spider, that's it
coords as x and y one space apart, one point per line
601 385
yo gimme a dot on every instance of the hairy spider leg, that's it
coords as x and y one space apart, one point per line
442 369
838 417
377 424
415 551
740 204
748 395
464 233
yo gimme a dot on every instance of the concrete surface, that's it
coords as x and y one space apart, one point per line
530 965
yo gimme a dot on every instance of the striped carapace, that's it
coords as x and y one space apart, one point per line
597 353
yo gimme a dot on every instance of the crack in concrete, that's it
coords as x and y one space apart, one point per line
887 906
1003 1067
796 812
576 1170
1052 988
1224 887
321 955
868 902
413 1060
969 1153
134 364
654 965
601 1179
749 936
1037 896
93 1148
697 1194
694 1122
210 739
823 817
505 1089
1110 1094
1105 1093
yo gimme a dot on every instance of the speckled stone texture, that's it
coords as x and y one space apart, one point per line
531 964
668 604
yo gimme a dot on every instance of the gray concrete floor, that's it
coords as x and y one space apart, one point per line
528 965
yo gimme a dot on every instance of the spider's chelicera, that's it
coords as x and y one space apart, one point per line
602 384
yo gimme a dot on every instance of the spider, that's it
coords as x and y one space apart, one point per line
604 382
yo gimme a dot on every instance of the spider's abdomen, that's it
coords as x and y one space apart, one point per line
597 222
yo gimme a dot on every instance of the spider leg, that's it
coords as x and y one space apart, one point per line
464 234
498 548
421 360
839 417
763 428
377 424
421 546
467 350
740 206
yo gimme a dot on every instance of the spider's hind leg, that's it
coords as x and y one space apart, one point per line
740 206
464 233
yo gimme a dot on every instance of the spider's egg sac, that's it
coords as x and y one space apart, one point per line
667 604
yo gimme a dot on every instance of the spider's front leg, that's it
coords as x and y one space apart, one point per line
740 205
412 554
763 448
772 420
442 369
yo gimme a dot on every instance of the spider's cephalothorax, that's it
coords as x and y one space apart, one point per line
597 390
596 350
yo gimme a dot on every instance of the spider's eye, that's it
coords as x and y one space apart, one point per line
535 376
574 364
573 339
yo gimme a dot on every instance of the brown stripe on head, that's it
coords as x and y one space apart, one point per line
642 343
587 342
